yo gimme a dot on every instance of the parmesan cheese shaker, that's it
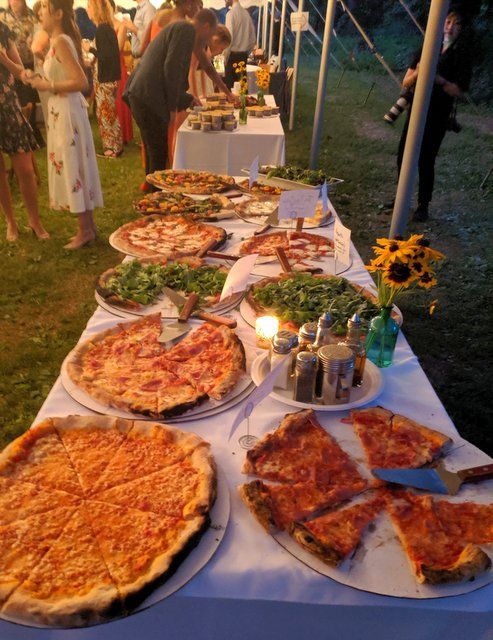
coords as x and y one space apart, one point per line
281 355
336 373
353 341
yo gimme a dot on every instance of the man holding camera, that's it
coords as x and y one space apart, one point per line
453 77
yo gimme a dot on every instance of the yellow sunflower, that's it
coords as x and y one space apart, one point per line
427 280
391 250
398 274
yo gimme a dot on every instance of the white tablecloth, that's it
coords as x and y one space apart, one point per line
252 588
229 152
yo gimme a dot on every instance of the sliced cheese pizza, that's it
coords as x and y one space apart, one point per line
300 450
297 245
169 237
468 521
435 555
394 441
335 535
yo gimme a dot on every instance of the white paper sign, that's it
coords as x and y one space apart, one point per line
253 172
238 276
300 21
342 242
256 397
300 203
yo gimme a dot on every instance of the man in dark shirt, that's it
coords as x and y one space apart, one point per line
453 77
158 86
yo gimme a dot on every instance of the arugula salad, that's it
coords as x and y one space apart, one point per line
143 283
304 297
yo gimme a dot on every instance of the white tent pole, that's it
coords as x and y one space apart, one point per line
259 18
265 25
422 94
271 34
281 32
409 12
322 83
297 45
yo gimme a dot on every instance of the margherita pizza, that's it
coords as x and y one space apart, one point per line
80 561
298 245
196 182
165 237
128 368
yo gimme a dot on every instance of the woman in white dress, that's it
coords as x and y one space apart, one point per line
73 177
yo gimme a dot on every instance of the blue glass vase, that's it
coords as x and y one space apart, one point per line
381 338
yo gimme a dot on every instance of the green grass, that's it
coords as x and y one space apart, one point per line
47 293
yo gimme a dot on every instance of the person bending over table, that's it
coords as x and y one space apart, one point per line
453 77
158 86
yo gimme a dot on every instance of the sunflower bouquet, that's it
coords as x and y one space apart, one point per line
263 81
240 70
401 266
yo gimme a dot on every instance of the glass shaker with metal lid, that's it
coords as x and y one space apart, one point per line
305 376
353 341
306 337
336 374
281 355
324 332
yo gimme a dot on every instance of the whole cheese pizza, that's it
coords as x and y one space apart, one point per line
128 368
298 245
311 488
299 298
166 237
80 542
134 285
165 203
195 182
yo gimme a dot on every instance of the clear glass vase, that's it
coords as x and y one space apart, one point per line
243 113
261 98
381 338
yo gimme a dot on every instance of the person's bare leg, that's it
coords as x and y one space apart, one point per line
85 233
24 170
6 204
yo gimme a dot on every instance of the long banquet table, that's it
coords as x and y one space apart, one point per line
252 587
229 152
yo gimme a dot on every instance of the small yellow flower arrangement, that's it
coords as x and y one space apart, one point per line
263 81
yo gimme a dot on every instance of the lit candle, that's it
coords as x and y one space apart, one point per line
266 328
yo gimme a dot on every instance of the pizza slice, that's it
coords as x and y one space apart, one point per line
277 506
335 535
139 547
148 447
393 441
468 521
70 586
435 555
91 443
38 456
19 500
23 544
183 490
300 450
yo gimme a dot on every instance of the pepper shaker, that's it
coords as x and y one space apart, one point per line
305 376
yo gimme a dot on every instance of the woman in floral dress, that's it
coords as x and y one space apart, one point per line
16 140
73 177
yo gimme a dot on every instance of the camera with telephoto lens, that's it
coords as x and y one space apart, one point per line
400 105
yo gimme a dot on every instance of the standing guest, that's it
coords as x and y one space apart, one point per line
243 38
86 26
22 23
73 178
106 76
143 17
40 47
122 110
17 140
158 86
453 76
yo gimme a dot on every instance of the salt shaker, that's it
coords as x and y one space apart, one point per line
336 374
324 332
281 355
305 376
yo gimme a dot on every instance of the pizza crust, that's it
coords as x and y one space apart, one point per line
325 551
258 501
471 563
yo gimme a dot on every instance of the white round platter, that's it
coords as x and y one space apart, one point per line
370 389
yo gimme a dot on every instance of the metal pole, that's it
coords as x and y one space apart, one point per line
322 83
422 93
297 46
281 32
265 25
371 45
259 18
409 12
271 35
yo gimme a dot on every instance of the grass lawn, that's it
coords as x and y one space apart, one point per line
47 293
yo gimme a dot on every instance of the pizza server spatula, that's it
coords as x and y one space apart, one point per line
272 221
178 299
177 329
437 479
